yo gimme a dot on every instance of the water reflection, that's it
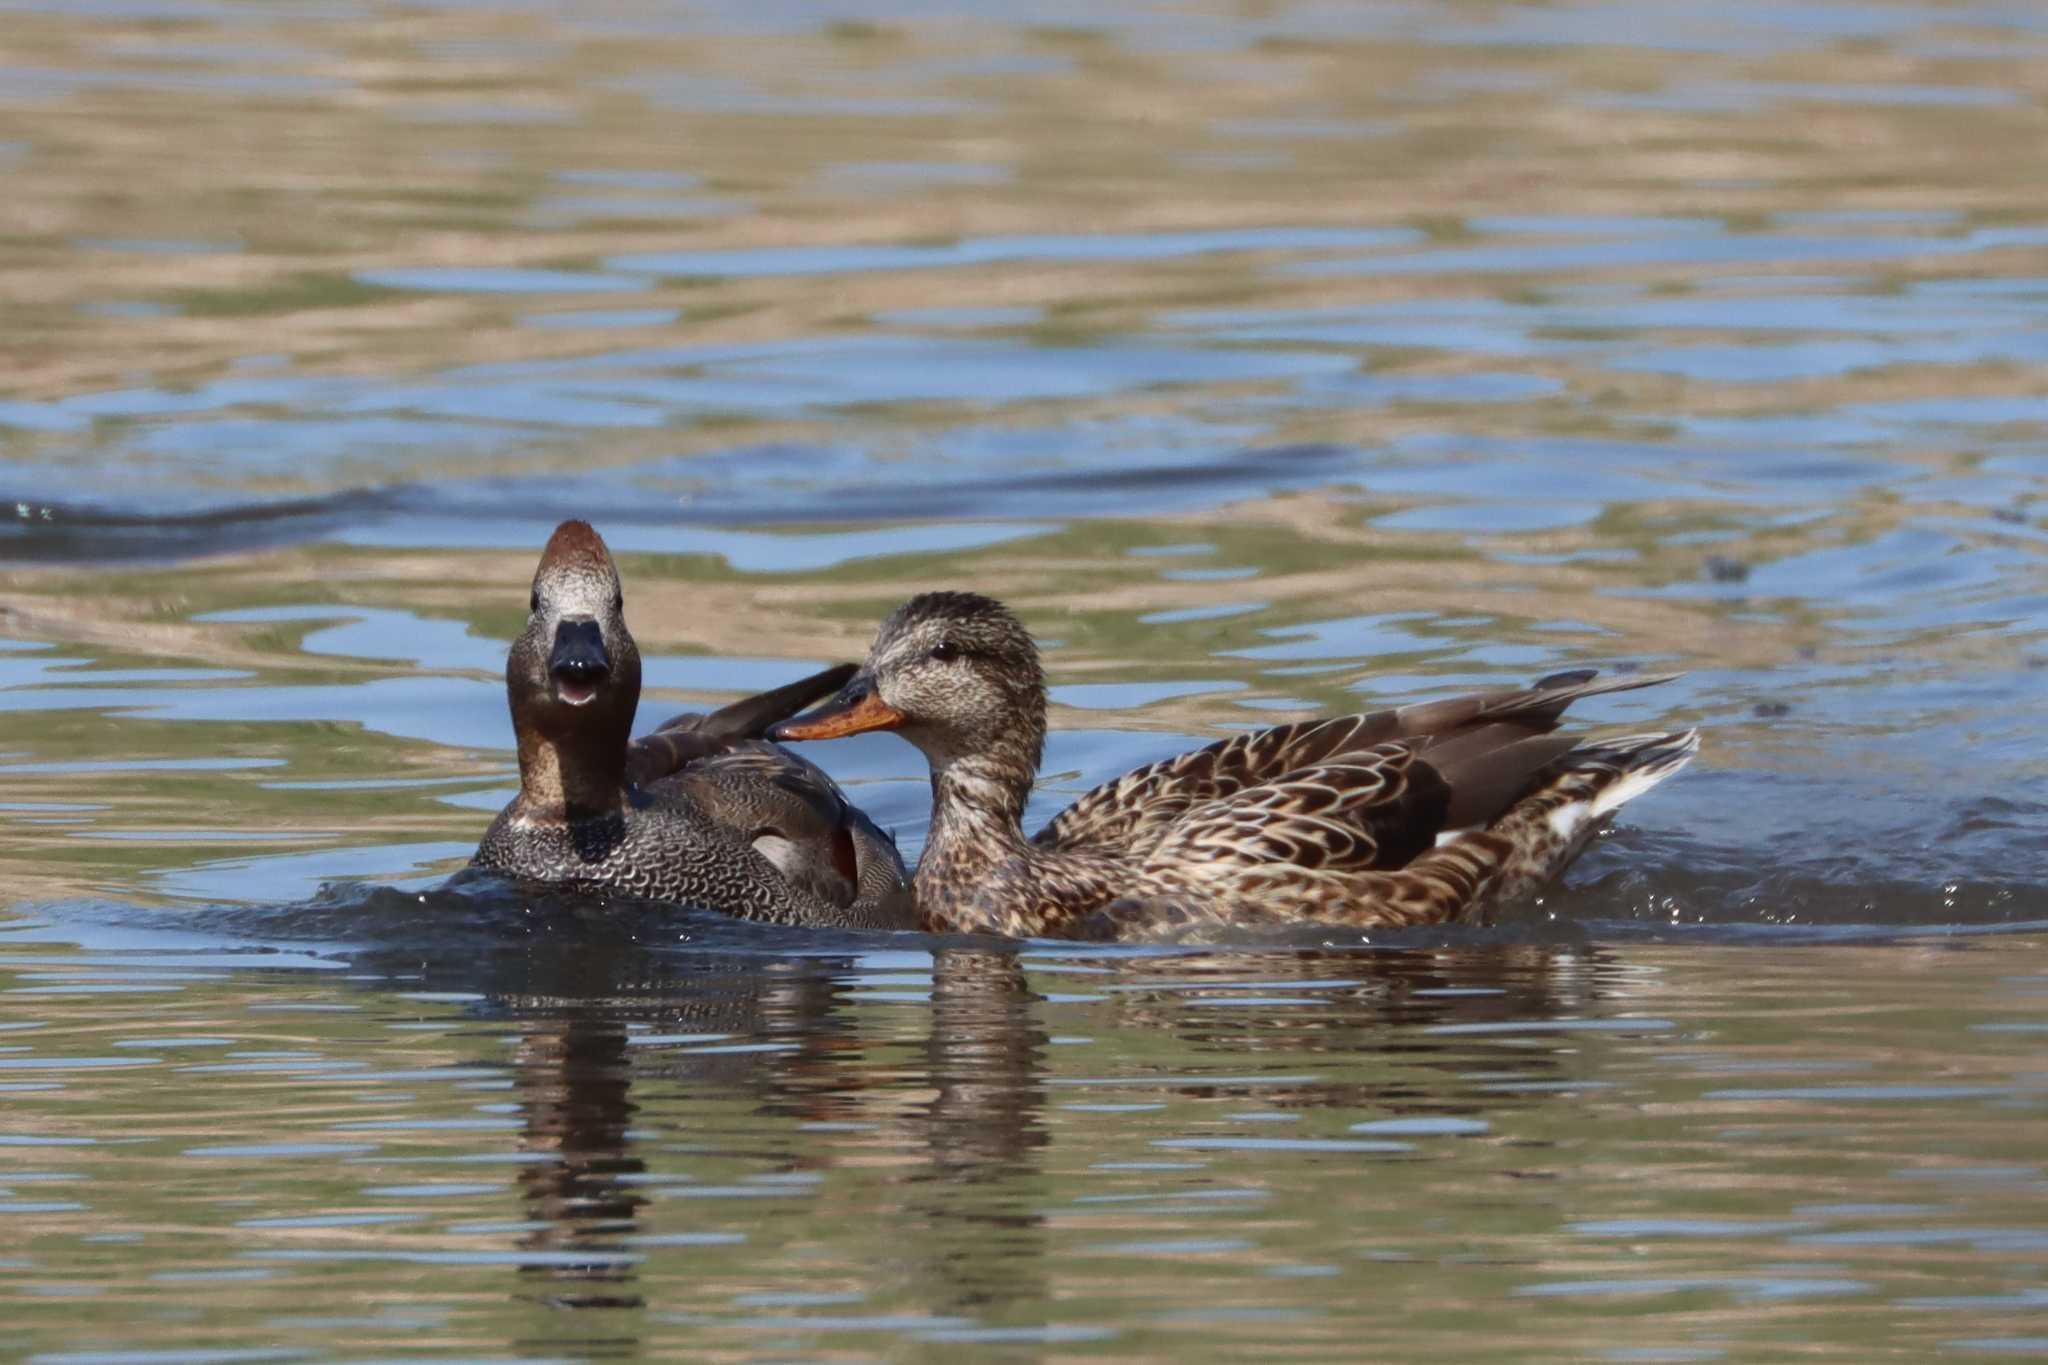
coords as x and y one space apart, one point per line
616 1043
984 1242
752 1140
598 1027
574 1081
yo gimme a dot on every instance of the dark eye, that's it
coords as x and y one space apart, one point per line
533 603
945 651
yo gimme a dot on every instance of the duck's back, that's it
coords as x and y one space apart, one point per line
1395 817
788 812
657 848
1480 751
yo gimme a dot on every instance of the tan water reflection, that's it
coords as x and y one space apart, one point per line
1492 1152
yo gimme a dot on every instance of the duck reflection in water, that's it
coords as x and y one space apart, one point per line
574 1083
583 1014
981 1212
712 1102
577 1067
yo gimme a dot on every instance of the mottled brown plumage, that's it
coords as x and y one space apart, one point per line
1396 817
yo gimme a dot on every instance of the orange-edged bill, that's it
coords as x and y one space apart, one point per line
842 717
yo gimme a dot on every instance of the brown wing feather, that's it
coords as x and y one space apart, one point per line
1492 771
1365 812
757 785
685 739
669 750
1134 812
757 788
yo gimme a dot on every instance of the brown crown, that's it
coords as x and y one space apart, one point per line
575 544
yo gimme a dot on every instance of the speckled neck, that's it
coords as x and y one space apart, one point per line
977 821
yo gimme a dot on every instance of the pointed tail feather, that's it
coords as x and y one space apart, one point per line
1546 830
1537 708
1636 762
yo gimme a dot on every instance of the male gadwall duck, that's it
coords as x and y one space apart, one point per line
704 811
1409 816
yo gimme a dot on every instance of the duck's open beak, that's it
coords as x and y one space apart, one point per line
856 709
579 662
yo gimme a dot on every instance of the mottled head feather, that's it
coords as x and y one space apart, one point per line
948 606
969 622
964 673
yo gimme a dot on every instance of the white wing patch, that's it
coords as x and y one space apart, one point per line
1567 820
780 852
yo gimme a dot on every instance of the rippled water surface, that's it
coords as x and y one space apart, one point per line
1269 359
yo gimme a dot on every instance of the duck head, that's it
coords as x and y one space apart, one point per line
573 677
952 672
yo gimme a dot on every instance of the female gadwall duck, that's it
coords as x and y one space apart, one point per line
1387 818
704 811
